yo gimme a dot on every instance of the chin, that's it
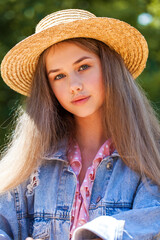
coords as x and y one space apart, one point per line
83 114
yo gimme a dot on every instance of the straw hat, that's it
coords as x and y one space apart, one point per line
19 64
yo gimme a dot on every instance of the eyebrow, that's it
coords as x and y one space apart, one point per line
76 62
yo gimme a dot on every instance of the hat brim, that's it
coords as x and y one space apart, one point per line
19 64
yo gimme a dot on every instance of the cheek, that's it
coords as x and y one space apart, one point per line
101 82
99 88
59 92
97 82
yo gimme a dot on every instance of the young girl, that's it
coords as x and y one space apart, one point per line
84 162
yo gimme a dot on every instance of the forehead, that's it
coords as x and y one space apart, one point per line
66 51
64 47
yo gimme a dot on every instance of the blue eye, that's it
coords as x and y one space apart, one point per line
59 76
83 67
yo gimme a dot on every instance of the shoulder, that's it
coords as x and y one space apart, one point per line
49 168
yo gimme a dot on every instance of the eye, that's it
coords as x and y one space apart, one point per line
83 67
59 76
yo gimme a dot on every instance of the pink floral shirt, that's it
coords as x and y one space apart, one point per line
80 214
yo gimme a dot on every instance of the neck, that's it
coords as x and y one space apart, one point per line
90 137
90 133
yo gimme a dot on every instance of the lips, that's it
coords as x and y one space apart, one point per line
80 99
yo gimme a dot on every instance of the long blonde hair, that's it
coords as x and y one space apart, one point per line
128 119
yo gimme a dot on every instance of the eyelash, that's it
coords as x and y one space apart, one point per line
81 68
59 75
84 66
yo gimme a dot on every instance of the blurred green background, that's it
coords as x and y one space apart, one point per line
18 19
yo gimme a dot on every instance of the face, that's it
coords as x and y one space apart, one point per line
75 76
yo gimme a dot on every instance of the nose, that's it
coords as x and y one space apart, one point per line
75 84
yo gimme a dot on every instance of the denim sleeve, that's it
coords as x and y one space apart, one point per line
142 222
8 217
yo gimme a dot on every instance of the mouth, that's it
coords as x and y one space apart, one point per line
80 100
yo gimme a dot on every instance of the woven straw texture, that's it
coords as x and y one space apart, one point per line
18 66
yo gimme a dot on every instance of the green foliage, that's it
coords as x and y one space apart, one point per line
18 20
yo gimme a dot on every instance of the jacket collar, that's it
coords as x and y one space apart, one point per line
61 153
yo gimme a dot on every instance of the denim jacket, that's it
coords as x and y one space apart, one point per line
121 206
